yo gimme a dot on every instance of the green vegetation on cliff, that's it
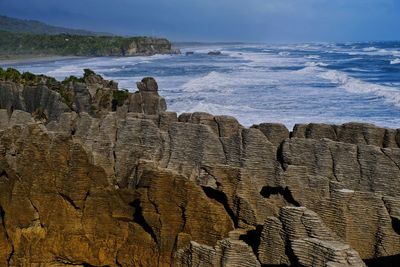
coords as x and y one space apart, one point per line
77 45
25 78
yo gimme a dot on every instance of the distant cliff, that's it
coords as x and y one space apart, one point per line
77 45
91 175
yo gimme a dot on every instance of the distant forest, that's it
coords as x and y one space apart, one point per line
63 44
33 38
37 27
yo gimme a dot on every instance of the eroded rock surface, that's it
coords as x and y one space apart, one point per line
116 180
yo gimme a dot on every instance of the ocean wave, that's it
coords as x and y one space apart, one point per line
395 61
269 60
226 82
284 54
312 57
357 70
390 94
370 52
316 64
216 82
308 70
217 109
65 71
370 49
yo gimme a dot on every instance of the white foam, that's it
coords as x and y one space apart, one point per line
270 60
65 71
225 82
390 94
358 69
370 49
216 109
316 64
395 61
308 70
312 57
213 81
371 52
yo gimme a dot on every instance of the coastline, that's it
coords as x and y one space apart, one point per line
32 59
114 152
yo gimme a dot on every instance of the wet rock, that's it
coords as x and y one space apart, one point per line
214 53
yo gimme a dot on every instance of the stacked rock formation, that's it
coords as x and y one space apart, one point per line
119 181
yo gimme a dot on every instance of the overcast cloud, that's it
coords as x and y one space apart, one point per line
222 20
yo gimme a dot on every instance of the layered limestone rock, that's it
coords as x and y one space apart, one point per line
116 180
299 236
47 99
150 46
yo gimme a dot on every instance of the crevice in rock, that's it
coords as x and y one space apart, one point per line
221 197
3 223
335 131
289 251
10 256
114 145
183 216
242 148
37 211
274 265
86 196
388 261
115 159
114 104
291 256
395 224
209 174
359 163
386 139
333 165
134 181
279 156
268 191
117 262
4 173
220 140
252 238
170 148
395 221
69 262
308 132
69 200
181 228
84 200
139 219
390 158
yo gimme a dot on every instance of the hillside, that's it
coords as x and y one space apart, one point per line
77 45
37 27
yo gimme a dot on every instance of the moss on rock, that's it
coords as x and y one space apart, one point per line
120 96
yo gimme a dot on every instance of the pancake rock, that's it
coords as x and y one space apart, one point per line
111 178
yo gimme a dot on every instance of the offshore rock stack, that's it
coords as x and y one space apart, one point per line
91 175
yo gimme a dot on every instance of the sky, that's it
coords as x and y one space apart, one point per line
222 20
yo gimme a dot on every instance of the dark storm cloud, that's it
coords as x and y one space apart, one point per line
251 20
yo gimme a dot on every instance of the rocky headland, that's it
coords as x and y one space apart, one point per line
16 44
91 175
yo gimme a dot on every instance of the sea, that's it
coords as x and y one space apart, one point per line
284 83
